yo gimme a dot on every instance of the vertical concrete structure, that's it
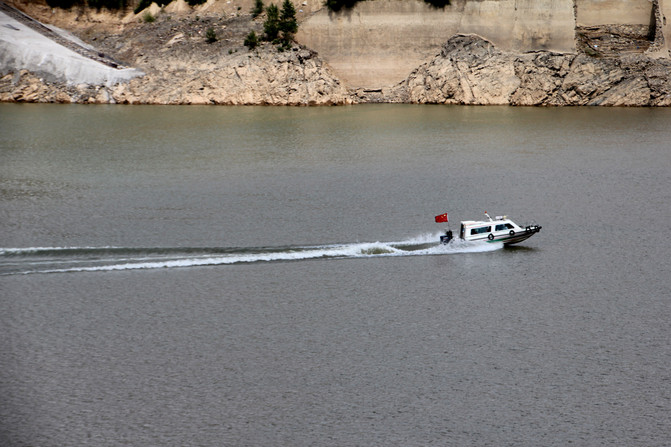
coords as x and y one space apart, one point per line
664 18
613 12
379 42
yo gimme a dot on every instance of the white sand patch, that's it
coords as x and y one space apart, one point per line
23 48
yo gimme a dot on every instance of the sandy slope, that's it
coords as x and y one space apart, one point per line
23 48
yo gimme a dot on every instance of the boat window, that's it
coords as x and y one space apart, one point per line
481 230
506 226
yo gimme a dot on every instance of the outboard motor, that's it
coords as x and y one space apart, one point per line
447 237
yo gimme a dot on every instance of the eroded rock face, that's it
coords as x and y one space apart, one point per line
470 70
541 76
261 77
295 77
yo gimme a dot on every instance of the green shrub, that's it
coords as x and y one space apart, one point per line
251 41
438 3
142 5
210 35
146 3
97 4
257 10
148 17
63 4
337 5
109 4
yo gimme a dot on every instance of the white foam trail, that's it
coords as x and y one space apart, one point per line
421 245
28 250
426 238
344 251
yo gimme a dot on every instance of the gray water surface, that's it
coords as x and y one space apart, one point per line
270 276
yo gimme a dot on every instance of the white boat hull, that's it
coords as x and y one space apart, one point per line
511 239
502 230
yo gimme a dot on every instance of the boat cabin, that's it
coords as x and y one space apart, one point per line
472 230
500 229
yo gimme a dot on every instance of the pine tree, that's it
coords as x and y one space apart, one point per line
288 24
258 9
272 24
251 41
210 35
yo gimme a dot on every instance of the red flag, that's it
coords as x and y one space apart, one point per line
441 218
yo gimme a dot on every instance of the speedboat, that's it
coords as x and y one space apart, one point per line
500 229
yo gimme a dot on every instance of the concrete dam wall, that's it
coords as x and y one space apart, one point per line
613 12
379 42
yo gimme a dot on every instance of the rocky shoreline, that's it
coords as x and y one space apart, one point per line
181 68
470 70
293 78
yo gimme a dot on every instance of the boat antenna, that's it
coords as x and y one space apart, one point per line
490 219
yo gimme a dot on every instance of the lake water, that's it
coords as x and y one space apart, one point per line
257 276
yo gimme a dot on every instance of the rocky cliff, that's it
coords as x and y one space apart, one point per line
471 70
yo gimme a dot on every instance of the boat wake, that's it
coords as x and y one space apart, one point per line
18 261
